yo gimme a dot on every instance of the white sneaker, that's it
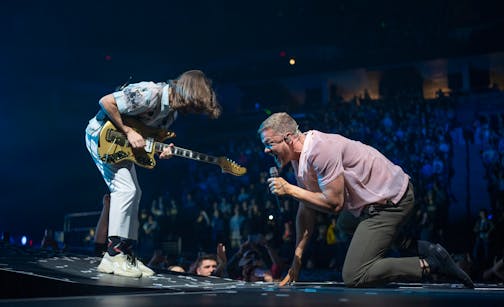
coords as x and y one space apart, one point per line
119 264
146 271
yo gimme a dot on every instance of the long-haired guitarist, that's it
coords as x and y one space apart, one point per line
155 105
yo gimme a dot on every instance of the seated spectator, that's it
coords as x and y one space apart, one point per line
205 265
211 264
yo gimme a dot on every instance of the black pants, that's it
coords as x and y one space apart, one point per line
365 264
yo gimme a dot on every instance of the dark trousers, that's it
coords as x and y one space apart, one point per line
365 263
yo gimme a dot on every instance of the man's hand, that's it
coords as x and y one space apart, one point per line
135 139
221 253
293 273
167 152
278 186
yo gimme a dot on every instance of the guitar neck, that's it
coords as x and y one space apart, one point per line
190 154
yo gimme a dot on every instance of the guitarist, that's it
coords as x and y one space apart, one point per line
154 105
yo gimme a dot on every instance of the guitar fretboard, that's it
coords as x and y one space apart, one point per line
190 154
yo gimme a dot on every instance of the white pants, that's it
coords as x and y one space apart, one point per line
125 192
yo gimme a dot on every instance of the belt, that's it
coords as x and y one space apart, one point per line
371 210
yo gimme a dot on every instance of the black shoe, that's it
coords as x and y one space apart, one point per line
441 262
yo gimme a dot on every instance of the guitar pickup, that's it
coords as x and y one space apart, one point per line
149 144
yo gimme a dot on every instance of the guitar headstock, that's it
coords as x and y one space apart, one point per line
229 166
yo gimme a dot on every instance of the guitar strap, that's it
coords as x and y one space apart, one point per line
101 116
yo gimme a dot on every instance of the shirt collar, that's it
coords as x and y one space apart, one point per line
303 156
165 97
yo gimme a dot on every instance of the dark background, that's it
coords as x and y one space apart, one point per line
57 58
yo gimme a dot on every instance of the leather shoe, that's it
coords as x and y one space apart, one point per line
441 262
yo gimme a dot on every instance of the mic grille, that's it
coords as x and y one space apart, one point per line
273 171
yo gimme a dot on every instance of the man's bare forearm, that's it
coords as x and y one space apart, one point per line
305 223
109 105
315 200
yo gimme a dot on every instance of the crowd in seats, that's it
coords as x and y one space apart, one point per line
488 134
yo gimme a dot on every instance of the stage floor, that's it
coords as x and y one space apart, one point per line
46 278
270 295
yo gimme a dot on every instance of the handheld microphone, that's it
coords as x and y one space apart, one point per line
273 171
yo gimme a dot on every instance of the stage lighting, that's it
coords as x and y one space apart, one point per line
24 239
271 217
292 61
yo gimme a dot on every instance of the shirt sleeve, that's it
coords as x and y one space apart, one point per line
136 98
326 160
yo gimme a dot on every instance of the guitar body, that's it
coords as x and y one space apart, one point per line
113 146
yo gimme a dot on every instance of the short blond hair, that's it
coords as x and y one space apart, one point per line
281 123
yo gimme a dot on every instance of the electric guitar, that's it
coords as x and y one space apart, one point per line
113 147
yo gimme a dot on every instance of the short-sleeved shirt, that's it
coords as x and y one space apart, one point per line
147 101
369 176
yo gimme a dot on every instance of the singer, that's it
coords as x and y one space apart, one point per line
154 105
334 174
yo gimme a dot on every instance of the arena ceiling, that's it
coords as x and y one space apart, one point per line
240 38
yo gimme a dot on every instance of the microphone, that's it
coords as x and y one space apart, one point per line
273 171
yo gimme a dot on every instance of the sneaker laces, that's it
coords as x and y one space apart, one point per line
131 259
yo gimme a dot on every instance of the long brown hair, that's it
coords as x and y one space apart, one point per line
194 94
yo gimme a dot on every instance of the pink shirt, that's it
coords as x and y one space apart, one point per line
369 176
